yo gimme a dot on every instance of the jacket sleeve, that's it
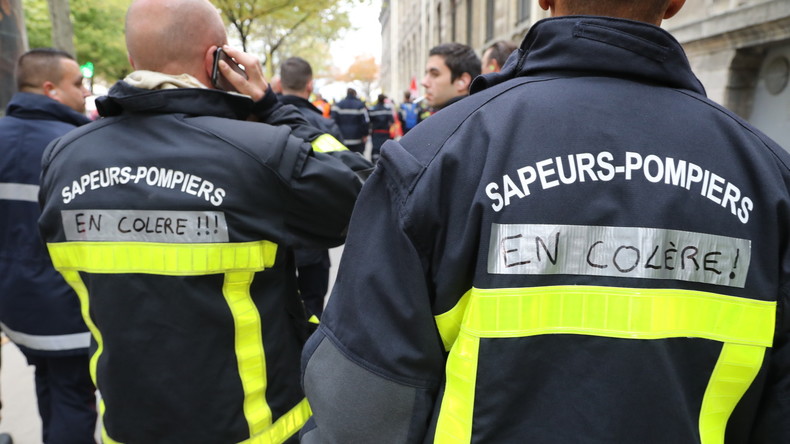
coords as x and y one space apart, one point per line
373 368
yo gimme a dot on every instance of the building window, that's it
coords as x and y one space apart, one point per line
524 10
490 8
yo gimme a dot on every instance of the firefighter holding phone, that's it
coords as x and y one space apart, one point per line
178 240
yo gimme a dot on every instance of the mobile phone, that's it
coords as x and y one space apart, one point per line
217 79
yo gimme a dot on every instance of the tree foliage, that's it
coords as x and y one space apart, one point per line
363 70
12 45
278 29
98 33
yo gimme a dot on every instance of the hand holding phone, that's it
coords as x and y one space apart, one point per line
217 79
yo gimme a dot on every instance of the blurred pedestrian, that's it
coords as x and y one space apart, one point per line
320 103
495 55
450 69
39 312
351 116
409 113
585 250
381 121
174 219
312 265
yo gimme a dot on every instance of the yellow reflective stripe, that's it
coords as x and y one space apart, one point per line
745 326
238 262
449 323
314 320
326 143
735 370
455 419
161 258
630 313
249 349
73 278
285 427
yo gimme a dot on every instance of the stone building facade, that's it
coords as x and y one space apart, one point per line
740 49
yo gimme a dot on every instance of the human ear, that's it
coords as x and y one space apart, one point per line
673 8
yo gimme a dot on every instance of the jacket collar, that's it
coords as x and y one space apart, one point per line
299 102
40 107
124 97
598 46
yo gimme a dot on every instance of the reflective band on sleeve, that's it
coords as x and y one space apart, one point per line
327 144
745 326
198 227
646 253
285 426
72 341
19 191
163 259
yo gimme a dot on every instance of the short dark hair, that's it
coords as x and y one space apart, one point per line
295 73
500 51
382 98
351 92
459 59
39 65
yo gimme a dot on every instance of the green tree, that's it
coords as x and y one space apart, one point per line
98 33
278 29
12 45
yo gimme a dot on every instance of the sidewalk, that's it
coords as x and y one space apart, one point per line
17 390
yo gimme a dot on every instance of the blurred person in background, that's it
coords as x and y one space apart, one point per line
352 117
495 55
381 121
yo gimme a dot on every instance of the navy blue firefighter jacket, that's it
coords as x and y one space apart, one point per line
586 249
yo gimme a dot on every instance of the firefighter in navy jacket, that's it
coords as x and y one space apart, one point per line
174 221
587 249
39 312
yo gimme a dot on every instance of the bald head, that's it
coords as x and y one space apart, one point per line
172 36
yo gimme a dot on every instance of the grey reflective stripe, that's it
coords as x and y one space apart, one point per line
19 191
646 253
350 111
72 341
175 227
353 405
352 141
383 112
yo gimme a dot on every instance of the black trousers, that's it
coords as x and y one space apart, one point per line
66 398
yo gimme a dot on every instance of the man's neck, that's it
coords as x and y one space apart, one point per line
303 94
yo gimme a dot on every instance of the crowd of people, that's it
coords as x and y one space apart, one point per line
566 241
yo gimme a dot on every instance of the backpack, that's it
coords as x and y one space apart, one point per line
410 115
